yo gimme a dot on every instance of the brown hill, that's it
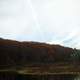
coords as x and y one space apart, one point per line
21 53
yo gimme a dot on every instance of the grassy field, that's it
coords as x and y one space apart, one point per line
41 72
47 69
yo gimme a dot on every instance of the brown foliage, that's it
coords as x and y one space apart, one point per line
20 53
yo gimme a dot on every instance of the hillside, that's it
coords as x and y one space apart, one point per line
31 57
15 52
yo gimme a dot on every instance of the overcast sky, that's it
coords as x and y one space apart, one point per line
51 21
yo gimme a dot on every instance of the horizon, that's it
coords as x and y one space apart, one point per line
47 43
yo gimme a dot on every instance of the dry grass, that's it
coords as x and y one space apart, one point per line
46 69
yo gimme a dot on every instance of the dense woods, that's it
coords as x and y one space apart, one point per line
23 53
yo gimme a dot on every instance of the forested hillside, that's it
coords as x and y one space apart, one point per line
14 53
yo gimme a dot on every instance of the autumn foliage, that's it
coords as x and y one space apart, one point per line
21 53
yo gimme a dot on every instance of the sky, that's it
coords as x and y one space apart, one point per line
50 21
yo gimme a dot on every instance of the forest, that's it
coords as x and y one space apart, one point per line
16 53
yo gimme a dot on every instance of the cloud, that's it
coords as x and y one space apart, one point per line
54 21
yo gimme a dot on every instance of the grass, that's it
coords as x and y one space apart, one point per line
47 69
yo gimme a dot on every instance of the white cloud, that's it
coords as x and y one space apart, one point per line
54 21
